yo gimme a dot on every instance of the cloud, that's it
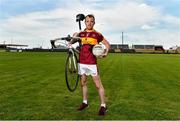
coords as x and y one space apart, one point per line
165 38
38 25
133 17
128 15
172 20
147 27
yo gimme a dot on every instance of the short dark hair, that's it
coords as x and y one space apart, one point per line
90 16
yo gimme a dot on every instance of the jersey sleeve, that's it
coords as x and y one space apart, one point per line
100 38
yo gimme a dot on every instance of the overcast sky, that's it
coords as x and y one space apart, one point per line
35 22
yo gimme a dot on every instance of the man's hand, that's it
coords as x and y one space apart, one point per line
69 45
104 55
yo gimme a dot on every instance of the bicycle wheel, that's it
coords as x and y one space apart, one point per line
71 72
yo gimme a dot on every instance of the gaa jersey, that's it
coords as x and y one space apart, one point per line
88 40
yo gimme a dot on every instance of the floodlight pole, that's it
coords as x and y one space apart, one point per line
122 39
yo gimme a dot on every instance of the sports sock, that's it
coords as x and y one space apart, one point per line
85 101
103 105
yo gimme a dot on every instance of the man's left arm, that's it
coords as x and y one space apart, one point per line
107 45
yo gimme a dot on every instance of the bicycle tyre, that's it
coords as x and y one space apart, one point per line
71 73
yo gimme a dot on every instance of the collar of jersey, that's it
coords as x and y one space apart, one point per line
89 30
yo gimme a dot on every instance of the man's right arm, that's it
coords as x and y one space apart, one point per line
74 40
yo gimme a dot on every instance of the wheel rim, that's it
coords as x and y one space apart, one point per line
71 73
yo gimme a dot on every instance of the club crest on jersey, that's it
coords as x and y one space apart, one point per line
94 35
87 35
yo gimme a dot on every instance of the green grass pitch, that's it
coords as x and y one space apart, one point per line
137 86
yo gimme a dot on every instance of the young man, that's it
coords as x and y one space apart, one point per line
88 62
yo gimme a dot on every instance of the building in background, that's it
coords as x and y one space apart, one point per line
148 48
174 49
12 47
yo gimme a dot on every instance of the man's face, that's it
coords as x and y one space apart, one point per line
89 22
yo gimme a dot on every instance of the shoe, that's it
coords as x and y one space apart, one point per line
82 106
102 110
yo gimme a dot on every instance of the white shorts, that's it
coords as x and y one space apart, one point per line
87 69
